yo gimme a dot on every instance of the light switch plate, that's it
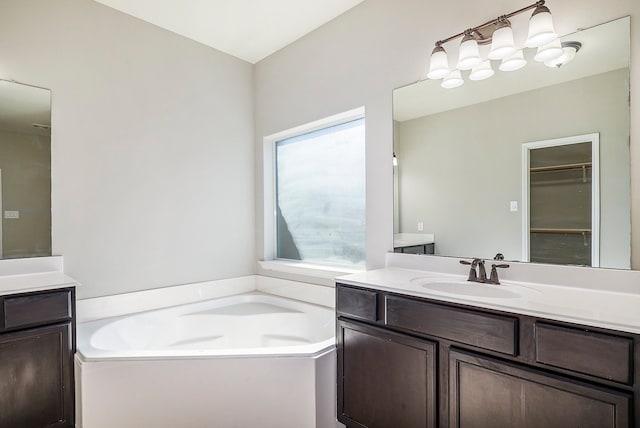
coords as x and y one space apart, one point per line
12 214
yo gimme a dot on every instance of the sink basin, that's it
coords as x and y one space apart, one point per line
473 289
457 286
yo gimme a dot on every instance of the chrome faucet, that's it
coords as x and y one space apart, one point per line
481 274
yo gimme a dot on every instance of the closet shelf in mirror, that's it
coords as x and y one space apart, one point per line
561 231
566 167
554 181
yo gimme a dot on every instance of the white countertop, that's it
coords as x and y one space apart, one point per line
12 284
33 274
411 239
598 308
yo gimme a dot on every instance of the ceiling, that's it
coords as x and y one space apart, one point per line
248 29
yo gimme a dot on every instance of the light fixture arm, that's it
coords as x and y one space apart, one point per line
476 31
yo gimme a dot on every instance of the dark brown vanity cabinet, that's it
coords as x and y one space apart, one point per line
485 392
408 362
37 343
389 379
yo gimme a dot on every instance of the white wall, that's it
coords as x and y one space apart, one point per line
153 142
152 145
358 58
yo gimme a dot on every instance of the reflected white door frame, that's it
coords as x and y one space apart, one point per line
1 216
594 139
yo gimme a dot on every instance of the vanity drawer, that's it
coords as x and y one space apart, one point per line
493 332
597 354
40 308
357 303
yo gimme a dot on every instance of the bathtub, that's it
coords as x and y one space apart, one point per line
247 360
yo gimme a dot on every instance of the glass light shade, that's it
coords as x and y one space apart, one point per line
550 51
469 55
439 64
453 80
502 45
569 53
482 71
514 62
541 29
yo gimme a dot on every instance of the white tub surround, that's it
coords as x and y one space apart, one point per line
199 393
605 298
311 293
243 359
148 300
299 271
33 274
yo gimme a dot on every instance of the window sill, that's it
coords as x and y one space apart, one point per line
307 269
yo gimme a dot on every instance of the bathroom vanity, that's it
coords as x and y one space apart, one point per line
412 356
37 344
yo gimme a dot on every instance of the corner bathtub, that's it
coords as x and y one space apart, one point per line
248 360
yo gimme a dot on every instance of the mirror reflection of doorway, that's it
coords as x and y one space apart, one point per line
1 215
561 194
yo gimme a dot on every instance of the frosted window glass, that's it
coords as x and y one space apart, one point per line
320 195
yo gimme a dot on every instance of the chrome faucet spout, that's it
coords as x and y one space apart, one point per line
482 272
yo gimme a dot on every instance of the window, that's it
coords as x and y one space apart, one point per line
319 194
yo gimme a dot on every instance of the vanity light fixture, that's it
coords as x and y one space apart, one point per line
499 34
453 80
514 62
502 45
549 52
469 53
569 50
482 71
439 64
541 29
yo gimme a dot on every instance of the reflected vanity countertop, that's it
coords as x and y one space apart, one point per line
25 283
411 239
598 308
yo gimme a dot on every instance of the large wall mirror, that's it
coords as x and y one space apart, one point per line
533 164
25 170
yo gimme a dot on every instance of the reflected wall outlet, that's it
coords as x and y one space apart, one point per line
513 206
12 214
420 226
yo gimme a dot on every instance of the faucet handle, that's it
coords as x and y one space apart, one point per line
493 279
472 272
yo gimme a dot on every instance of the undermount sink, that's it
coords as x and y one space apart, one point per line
457 287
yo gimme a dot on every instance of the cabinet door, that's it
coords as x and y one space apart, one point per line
385 379
36 378
487 393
